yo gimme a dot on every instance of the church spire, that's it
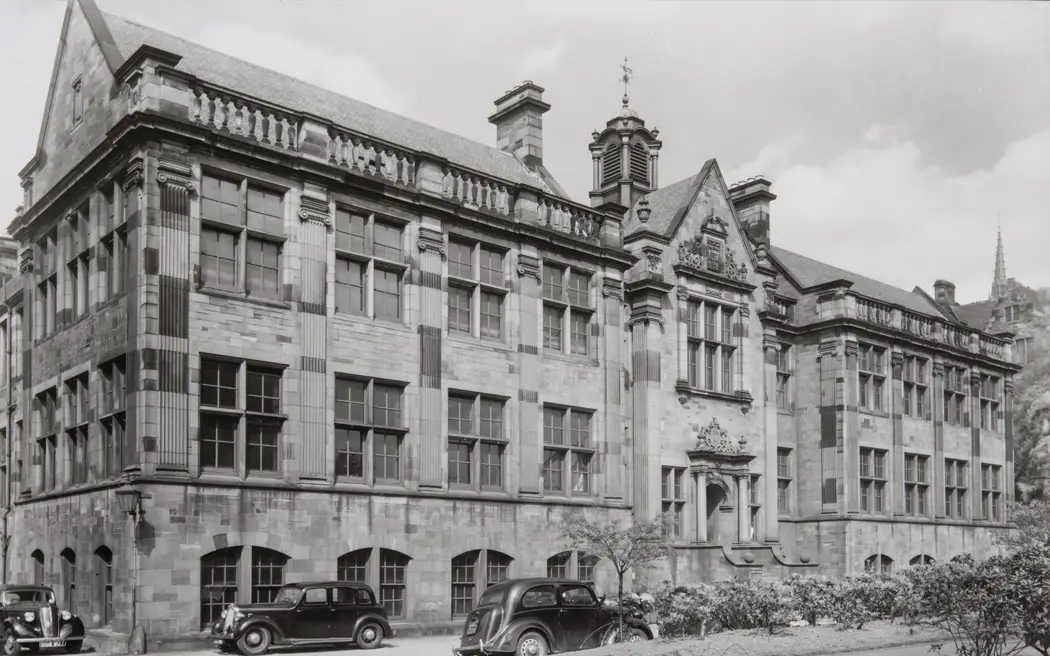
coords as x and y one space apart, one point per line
999 287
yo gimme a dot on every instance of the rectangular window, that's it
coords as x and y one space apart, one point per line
475 289
872 480
916 484
991 399
872 378
672 493
567 309
916 387
77 411
241 417
785 360
111 415
567 439
955 484
349 286
78 101
476 441
242 237
992 492
710 346
955 396
369 430
350 232
784 479
755 502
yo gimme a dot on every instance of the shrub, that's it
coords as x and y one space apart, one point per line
752 605
683 610
811 596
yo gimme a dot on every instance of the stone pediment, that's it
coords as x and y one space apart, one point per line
716 450
709 251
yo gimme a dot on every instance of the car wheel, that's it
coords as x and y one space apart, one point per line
74 646
369 636
532 644
634 634
11 646
256 640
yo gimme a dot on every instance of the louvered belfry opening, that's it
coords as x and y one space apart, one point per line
639 163
611 164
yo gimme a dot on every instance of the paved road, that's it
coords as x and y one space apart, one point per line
442 646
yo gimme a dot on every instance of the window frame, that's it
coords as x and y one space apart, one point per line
956 486
956 395
562 308
472 281
46 410
567 454
785 371
76 406
672 501
476 442
991 396
78 101
915 376
246 419
46 307
369 429
873 480
991 492
372 572
244 235
785 478
486 563
917 483
871 378
372 258
706 330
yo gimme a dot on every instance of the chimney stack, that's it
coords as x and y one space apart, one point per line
944 292
751 200
519 122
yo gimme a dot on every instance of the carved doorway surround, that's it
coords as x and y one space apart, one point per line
714 461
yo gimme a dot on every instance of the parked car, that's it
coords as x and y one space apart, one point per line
33 621
304 614
540 616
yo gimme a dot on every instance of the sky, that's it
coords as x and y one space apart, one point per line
897 135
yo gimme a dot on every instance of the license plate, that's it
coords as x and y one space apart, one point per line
52 644
472 626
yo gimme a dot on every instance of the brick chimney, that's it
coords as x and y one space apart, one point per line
519 122
751 200
944 292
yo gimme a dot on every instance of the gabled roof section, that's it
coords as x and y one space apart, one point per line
669 204
811 273
975 315
286 91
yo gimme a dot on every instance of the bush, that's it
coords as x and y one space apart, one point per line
683 610
752 605
811 596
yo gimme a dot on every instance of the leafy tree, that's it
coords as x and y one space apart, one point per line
1032 522
1031 424
625 546
1028 570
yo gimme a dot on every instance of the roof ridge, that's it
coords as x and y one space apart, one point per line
846 271
269 71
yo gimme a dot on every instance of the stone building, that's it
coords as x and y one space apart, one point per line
324 340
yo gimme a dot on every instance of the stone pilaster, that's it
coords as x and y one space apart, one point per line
1008 436
771 516
647 407
432 449
700 481
612 306
977 512
682 328
849 453
743 353
938 410
832 407
138 439
743 510
313 457
896 406
530 372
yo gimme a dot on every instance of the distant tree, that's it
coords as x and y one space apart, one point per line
1031 429
624 545
1032 522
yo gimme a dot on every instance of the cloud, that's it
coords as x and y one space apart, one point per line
883 210
543 59
1015 27
347 74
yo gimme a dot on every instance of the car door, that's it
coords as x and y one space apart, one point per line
580 616
312 617
347 605
540 605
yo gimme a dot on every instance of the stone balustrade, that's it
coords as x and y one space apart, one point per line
476 191
370 157
226 112
874 312
569 218
917 325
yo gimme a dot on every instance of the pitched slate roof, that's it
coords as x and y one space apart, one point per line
286 91
666 203
809 272
975 315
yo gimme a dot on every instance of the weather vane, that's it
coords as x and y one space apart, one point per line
625 78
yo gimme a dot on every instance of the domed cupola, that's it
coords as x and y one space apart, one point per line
625 157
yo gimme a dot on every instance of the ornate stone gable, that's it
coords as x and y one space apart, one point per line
714 440
710 251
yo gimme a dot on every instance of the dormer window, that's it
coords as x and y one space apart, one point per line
78 101
611 164
639 163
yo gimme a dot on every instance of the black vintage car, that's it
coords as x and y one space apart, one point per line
537 617
304 614
33 621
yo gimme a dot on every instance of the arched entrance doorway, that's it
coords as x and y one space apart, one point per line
716 498
721 466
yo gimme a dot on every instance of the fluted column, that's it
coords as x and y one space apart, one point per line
530 372
431 402
771 516
743 510
701 507
646 411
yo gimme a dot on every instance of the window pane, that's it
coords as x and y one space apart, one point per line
553 470
491 418
491 465
460 415
262 446
349 454
350 400
349 231
349 286
220 201
460 260
387 406
553 426
578 322
265 211
459 463
552 320
218 258
264 391
218 435
387 295
387 242
263 271
579 289
387 456
553 282
459 306
491 267
491 315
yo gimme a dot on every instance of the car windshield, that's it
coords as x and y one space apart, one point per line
288 596
28 596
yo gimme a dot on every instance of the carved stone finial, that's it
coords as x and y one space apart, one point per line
595 135
644 211
714 439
